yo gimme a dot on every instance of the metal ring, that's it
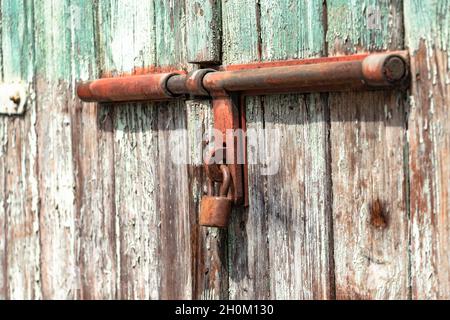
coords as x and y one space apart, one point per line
194 82
212 169
225 186
164 86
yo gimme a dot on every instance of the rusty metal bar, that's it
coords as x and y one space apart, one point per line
130 88
373 71
358 72
228 86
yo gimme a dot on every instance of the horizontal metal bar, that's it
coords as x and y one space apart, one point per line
130 88
357 72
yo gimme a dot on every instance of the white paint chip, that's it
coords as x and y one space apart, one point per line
13 97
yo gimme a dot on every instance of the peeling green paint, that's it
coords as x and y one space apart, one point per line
351 26
170 27
204 31
17 40
292 29
427 20
126 33
65 38
240 31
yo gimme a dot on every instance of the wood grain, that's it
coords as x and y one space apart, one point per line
204 22
427 28
209 260
175 245
64 53
299 223
247 258
93 206
135 148
368 139
271 246
3 238
19 181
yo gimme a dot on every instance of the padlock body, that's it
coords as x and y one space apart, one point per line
215 211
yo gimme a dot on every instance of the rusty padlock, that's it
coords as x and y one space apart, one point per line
215 211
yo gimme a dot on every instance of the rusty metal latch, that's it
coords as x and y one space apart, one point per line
228 85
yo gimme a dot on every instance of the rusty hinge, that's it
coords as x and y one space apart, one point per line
228 86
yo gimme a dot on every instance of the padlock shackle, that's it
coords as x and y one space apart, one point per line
226 182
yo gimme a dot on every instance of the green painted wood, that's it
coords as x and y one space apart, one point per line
352 25
65 52
209 261
175 246
245 279
92 206
291 29
93 156
208 245
369 179
151 198
204 25
299 216
119 20
240 39
183 245
135 148
3 238
170 33
19 184
268 259
427 34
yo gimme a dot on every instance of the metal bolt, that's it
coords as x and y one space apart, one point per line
394 69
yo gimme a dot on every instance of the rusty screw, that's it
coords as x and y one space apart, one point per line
394 69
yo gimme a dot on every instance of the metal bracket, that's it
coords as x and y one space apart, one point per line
227 85
13 97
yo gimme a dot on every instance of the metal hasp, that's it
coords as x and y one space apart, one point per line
228 86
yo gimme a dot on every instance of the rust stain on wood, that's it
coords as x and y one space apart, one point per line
378 217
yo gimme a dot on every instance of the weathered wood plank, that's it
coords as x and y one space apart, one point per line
368 174
3 137
247 260
65 53
299 223
208 245
240 39
56 170
20 193
96 261
135 164
427 27
93 155
203 41
248 251
152 210
274 249
204 46
209 261
175 247
170 34
3 238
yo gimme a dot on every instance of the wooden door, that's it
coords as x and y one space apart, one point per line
91 205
